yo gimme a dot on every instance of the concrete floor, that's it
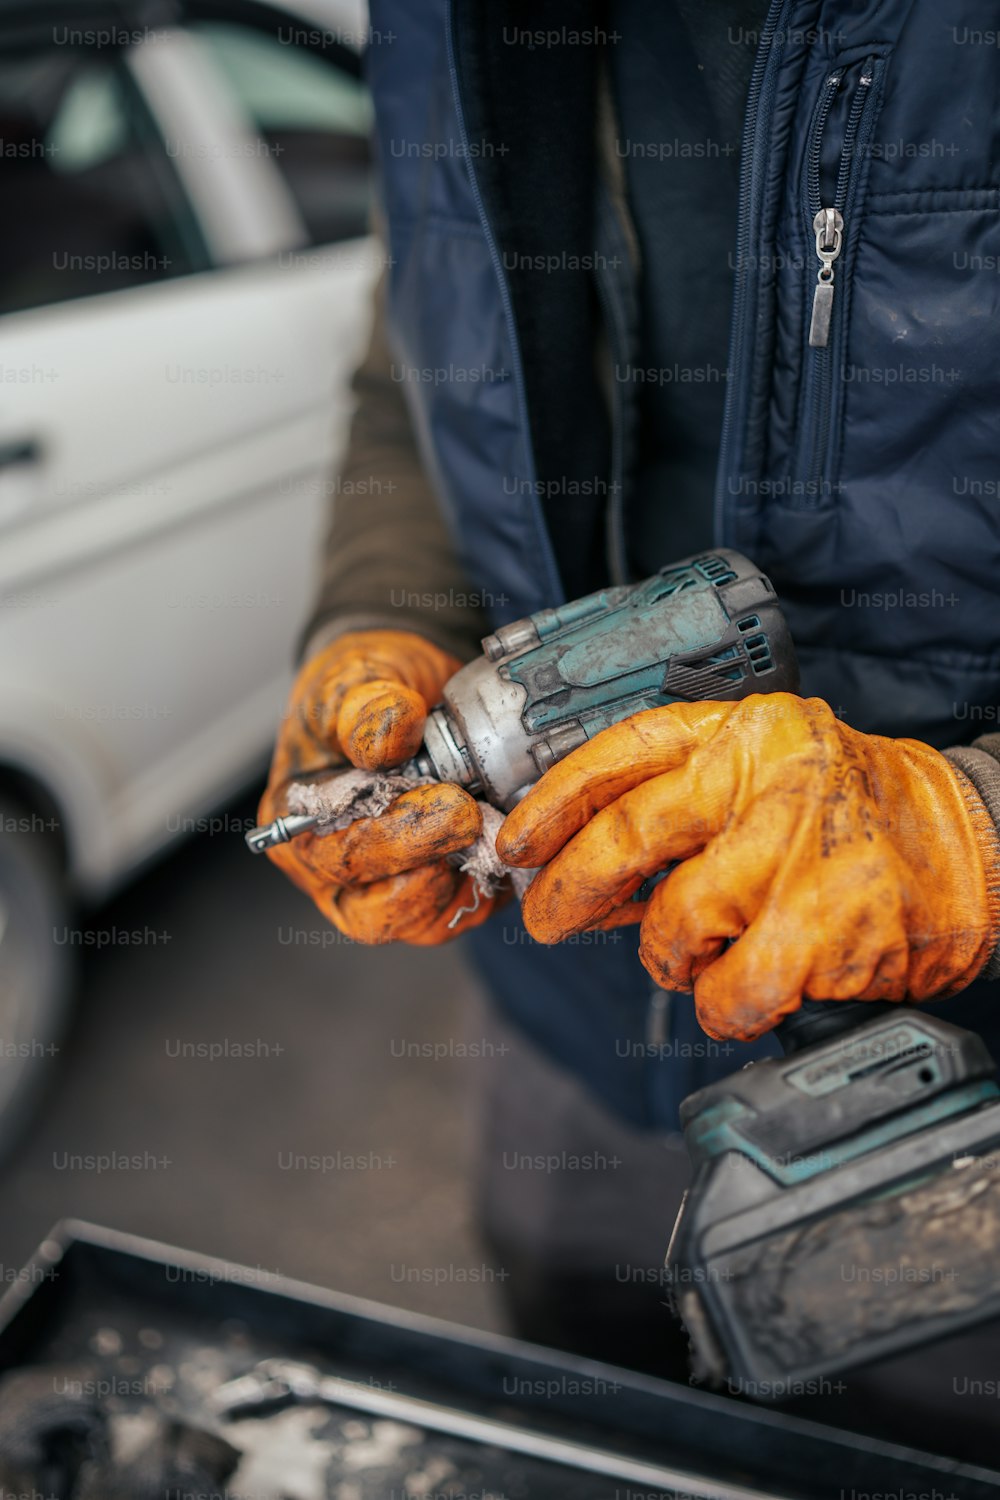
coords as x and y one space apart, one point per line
323 1154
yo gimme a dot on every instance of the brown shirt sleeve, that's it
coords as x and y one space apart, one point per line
389 560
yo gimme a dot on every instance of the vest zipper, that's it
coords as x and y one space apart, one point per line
829 220
829 227
828 223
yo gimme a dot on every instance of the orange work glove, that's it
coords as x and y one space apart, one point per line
363 701
817 861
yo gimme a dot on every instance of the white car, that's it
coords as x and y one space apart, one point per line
185 280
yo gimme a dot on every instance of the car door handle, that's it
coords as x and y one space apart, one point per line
19 451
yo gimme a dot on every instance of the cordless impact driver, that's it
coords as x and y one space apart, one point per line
708 627
846 1198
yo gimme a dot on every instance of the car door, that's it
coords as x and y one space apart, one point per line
169 411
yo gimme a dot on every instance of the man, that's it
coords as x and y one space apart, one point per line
663 278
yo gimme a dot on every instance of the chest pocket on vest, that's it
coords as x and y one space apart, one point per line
827 198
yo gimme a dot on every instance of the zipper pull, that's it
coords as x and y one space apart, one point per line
829 227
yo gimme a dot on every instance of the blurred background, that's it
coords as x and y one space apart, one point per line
186 1051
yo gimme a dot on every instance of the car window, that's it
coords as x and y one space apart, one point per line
90 200
313 115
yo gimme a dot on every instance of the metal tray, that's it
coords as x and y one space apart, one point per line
418 1407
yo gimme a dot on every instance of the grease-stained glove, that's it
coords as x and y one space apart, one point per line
363 701
815 861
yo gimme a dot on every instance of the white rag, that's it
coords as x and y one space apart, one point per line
341 799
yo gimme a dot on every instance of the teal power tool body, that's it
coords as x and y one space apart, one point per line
707 627
846 1198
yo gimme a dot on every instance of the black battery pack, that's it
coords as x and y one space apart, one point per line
846 1200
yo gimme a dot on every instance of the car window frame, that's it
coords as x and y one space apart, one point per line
110 48
209 49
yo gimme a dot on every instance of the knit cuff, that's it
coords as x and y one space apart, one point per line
979 780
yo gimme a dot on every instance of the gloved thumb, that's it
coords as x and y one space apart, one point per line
381 724
365 696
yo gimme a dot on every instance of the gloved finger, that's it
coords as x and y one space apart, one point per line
663 820
380 724
310 735
390 910
598 773
869 962
674 949
627 915
789 952
420 826
710 899
356 660
746 991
